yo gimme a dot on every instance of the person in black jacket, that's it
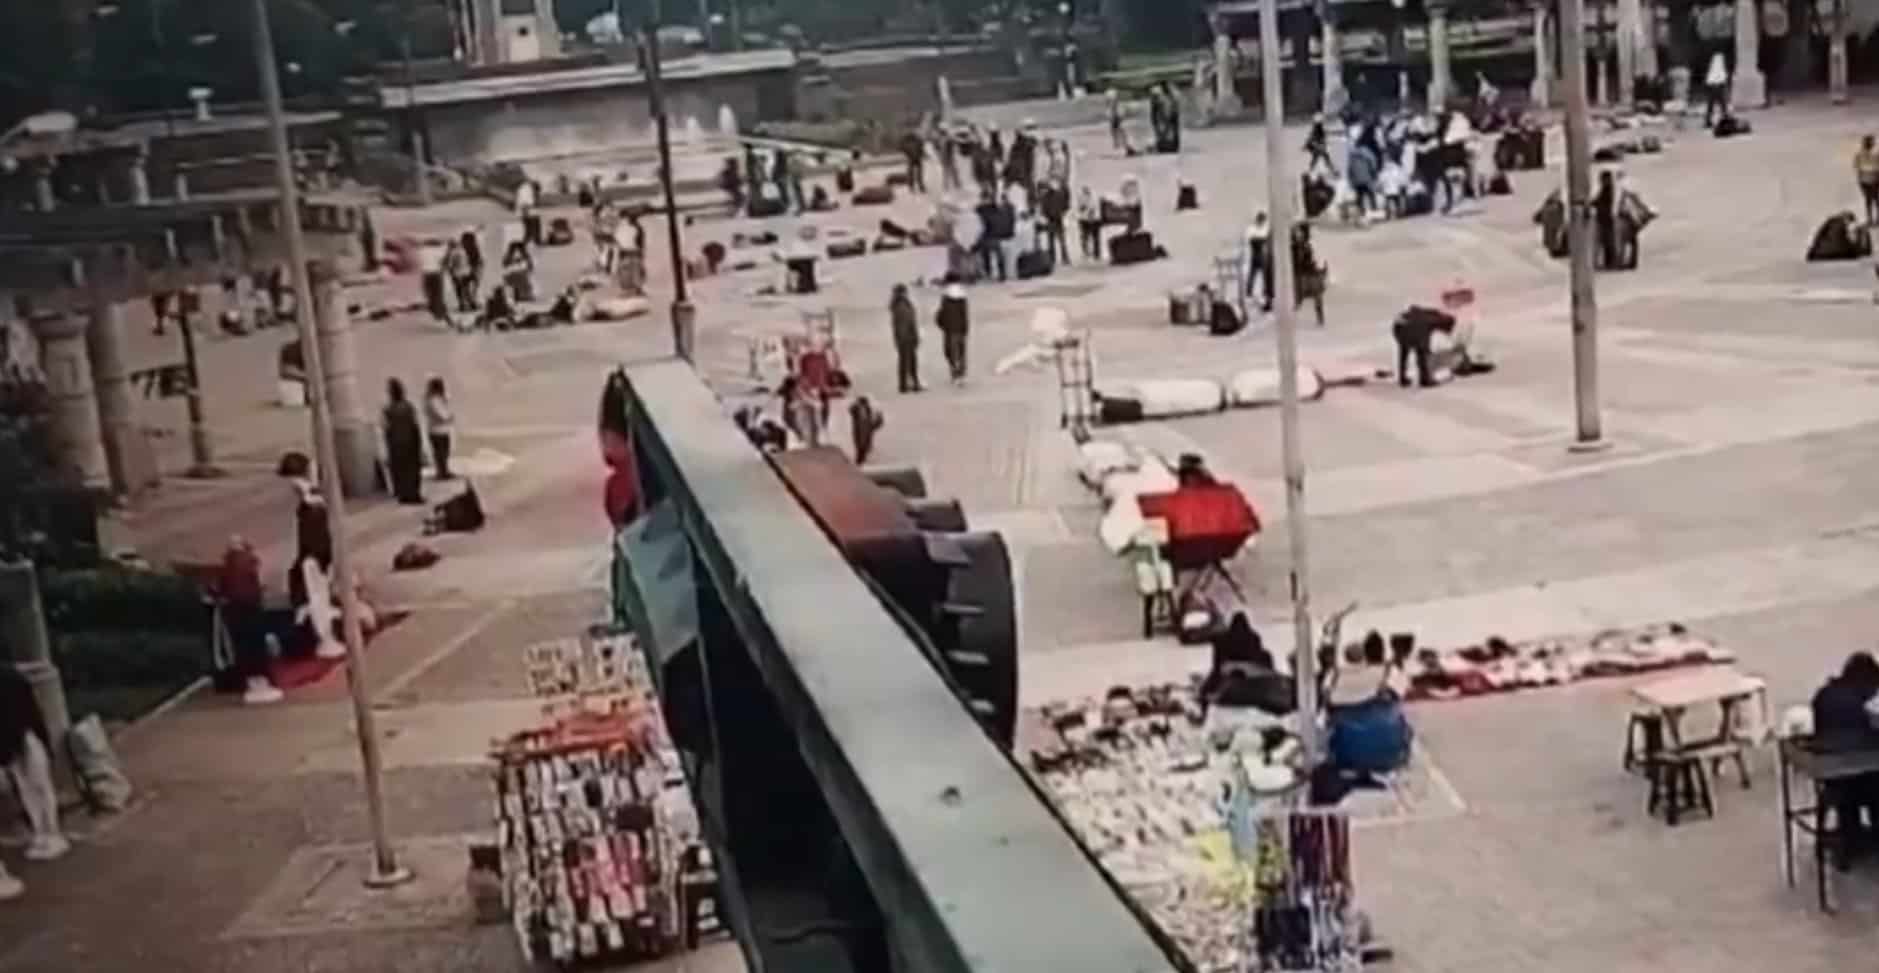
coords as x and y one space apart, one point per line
1605 218
1842 722
954 320
1412 329
994 230
1054 203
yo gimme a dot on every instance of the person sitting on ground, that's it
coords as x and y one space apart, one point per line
566 307
498 312
1223 319
1843 721
1840 237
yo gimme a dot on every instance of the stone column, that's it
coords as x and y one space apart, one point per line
63 358
353 437
140 180
1333 61
23 635
1440 83
104 341
1540 94
1625 47
1226 97
1647 40
1836 54
1749 89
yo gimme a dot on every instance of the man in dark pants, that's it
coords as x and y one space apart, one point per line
906 322
954 320
913 147
1605 217
1841 722
1412 330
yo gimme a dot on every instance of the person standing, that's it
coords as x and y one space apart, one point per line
1118 139
404 445
948 148
473 250
25 753
462 279
990 244
905 319
802 414
954 320
864 420
913 148
1090 223
1716 90
1054 205
1317 145
518 269
431 255
1866 173
440 422
1259 258
1605 219
527 198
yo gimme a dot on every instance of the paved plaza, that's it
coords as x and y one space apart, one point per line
1740 389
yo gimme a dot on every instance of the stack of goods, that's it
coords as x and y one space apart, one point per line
1142 778
600 842
587 860
1303 917
1498 666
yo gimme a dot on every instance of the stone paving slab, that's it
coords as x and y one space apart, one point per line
322 891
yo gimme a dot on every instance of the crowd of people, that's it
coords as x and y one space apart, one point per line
1405 163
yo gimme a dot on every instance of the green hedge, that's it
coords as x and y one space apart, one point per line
122 599
125 639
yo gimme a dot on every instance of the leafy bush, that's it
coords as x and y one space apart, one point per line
114 598
98 659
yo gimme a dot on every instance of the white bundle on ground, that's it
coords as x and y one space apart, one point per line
621 308
1260 386
1169 397
1120 473
1050 335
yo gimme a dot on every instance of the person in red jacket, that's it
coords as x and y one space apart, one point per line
239 585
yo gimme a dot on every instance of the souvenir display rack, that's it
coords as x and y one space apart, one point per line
597 832
1303 916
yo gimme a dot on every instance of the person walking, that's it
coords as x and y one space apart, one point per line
1716 90
25 752
404 445
1259 258
440 422
990 244
1866 173
864 421
954 320
1090 223
1308 273
905 319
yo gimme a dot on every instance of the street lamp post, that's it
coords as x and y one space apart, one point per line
1279 202
1588 434
386 872
683 327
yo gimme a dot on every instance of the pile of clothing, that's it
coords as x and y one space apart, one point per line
1497 666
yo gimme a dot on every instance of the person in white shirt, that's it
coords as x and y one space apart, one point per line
527 197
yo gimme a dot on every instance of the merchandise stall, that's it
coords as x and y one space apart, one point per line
597 835
1197 813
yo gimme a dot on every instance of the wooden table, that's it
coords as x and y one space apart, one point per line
1822 767
1739 696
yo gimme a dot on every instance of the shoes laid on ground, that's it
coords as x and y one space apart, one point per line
261 692
45 849
11 888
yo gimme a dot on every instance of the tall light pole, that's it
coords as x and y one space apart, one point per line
1588 434
682 311
386 871
1279 203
